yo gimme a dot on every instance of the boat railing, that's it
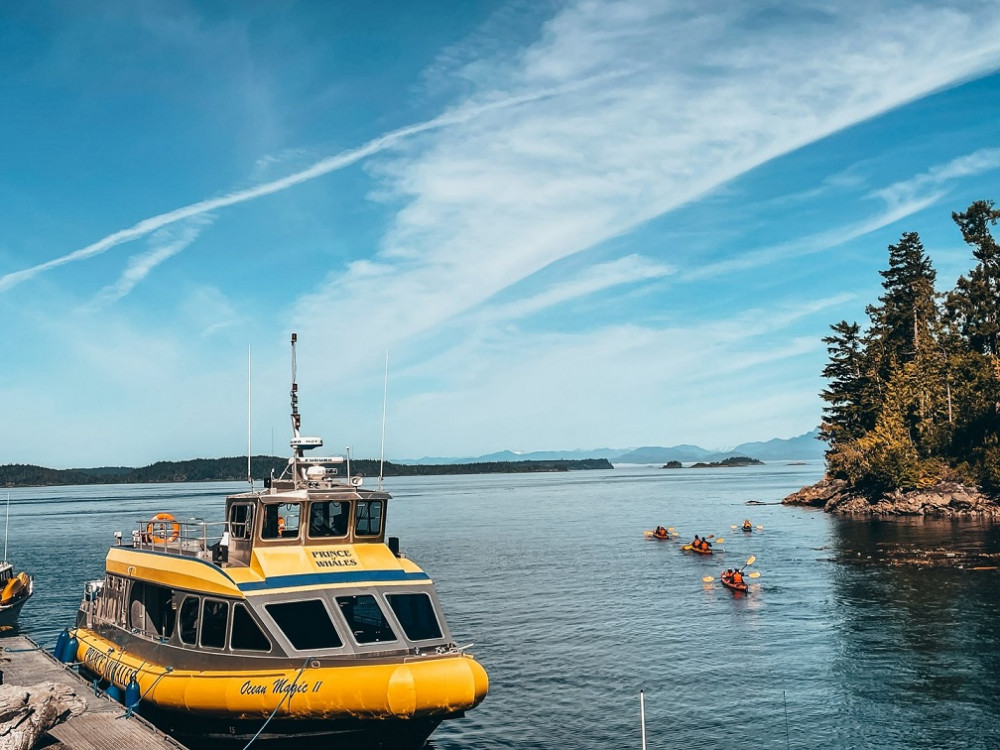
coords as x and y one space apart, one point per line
188 538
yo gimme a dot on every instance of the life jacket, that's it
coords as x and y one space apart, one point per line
737 577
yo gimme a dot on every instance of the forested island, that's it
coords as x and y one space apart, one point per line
912 414
235 469
726 462
732 461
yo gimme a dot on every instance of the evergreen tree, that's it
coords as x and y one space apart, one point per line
909 308
974 305
916 397
845 414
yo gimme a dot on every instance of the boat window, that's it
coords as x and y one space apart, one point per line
281 521
149 609
240 521
214 614
247 634
368 519
187 620
328 518
307 624
415 613
365 618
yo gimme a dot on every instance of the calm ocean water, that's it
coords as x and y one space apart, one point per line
573 611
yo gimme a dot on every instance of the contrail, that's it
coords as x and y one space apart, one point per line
320 168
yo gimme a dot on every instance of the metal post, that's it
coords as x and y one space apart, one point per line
642 717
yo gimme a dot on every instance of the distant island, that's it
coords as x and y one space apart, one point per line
726 462
235 470
912 414
804 447
731 461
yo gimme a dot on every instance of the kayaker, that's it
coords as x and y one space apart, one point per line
737 577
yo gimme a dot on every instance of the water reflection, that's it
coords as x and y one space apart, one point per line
915 644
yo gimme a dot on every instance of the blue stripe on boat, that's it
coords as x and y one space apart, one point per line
318 579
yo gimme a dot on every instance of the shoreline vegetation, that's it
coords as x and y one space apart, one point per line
235 469
912 414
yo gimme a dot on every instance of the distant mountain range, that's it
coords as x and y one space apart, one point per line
801 448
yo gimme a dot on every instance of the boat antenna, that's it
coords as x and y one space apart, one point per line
6 527
296 417
385 393
249 412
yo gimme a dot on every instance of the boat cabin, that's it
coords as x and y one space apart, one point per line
308 505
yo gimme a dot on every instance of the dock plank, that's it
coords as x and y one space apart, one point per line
104 731
102 726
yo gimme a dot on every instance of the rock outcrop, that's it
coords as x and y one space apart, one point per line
26 713
942 499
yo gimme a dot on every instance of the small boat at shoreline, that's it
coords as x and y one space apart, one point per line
15 590
300 623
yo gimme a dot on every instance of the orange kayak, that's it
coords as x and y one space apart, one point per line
743 588
689 548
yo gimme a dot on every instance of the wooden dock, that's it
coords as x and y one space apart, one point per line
102 726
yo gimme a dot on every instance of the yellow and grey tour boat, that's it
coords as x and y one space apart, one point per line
294 618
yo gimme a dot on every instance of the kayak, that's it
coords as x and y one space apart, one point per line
689 548
743 588
657 536
748 528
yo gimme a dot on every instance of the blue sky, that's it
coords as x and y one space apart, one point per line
569 224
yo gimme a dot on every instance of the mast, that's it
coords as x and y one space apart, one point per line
385 394
296 417
249 437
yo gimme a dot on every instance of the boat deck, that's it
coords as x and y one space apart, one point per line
102 725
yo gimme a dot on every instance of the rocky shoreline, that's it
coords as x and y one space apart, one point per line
941 499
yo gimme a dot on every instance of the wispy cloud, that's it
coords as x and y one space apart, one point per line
550 155
495 199
507 380
454 117
933 183
164 244
902 199
602 276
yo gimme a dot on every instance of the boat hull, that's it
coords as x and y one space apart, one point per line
209 733
395 696
9 612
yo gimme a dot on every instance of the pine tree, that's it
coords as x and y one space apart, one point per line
909 307
974 305
846 417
